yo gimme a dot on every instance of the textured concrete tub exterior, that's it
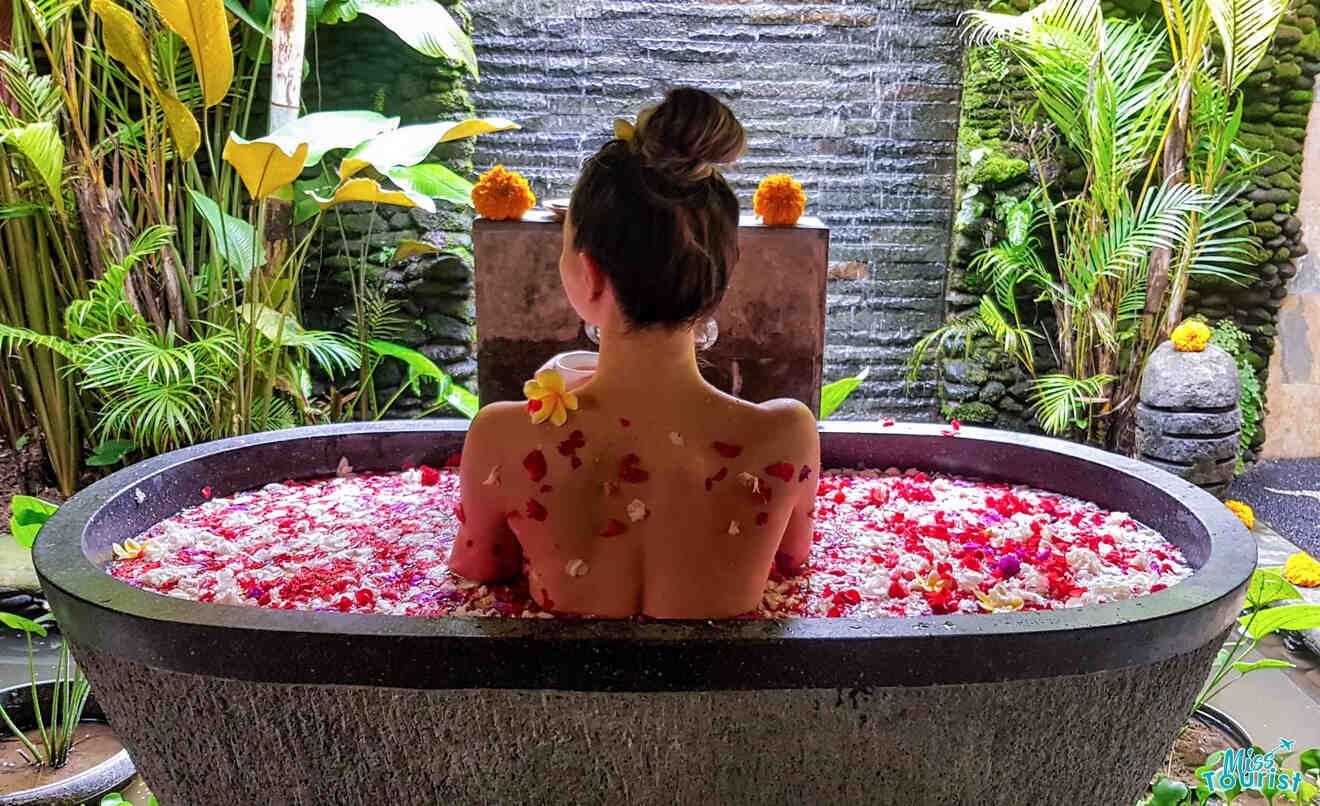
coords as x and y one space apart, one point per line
226 704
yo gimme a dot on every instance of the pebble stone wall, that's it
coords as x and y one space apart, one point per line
988 388
858 101
363 65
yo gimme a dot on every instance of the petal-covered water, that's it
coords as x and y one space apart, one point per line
887 543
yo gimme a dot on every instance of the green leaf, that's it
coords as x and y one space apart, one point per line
435 181
1268 663
424 24
1309 761
237 8
235 239
1268 586
420 367
1167 792
41 144
462 400
29 515
409 145
326 131
1289 617
19 623
833 394
330 350
110 452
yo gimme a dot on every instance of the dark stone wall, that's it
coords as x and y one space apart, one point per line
858 101
988 387
363 65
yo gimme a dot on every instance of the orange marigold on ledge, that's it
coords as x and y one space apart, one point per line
779 201
501 194
1302 569
1243 512
1191 336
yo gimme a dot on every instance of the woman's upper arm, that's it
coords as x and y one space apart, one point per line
486 549
803 438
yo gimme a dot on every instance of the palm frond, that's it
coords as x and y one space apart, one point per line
1061 401
11 337
36 96
1246 29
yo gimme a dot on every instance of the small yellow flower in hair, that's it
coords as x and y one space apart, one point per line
1243 512
779 201
1302 569
129 549
623 130
1191 336
547 399
501 194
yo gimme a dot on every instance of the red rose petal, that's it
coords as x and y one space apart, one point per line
546 488
625 422
430 476
896 589
534 406
780 470
575 462
407 466
535 510
458 513
613 527
762 518
709 484
206 493
630 472
805 474
455 460
720 474
534 462
726 450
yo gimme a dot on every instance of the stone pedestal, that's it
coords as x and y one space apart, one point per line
1188 420
771 323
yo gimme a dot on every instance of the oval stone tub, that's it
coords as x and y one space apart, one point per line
244 705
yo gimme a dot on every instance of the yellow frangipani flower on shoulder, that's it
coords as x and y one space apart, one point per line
548 399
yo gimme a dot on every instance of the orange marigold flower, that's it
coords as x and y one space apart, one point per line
501 194
1302 569
779 201
1243 512
1191 336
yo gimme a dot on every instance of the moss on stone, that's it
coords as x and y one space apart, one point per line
997 168
1309 46
975 413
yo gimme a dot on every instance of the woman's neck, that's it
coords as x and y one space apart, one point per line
653 358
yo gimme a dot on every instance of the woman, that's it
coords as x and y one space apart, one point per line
647 491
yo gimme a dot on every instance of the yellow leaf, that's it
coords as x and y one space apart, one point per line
266 164
412 248
123 40
361 189
201 24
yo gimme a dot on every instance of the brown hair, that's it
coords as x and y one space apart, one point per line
657 217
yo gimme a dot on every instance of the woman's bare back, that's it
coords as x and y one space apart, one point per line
672 508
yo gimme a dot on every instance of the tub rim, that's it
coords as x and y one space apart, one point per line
256 644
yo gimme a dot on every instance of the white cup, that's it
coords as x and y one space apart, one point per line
576 367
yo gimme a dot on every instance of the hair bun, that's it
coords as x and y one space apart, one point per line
688 134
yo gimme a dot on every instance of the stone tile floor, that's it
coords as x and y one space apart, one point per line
1286 494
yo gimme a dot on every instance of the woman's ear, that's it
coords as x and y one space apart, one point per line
595 280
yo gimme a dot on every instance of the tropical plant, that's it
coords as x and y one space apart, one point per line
1107 88
69 696
1231 339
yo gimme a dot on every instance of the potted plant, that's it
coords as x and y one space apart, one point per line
1210 734
62 751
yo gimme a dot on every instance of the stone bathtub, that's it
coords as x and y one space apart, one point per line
244 705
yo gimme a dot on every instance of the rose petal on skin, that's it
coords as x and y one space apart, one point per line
534 462
805 474
637 510
780 470
720 474
609 488
536 511
762 518
676 438
613 527
726 450
734 528
625 422
630 472
750 482
576 568
493 478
